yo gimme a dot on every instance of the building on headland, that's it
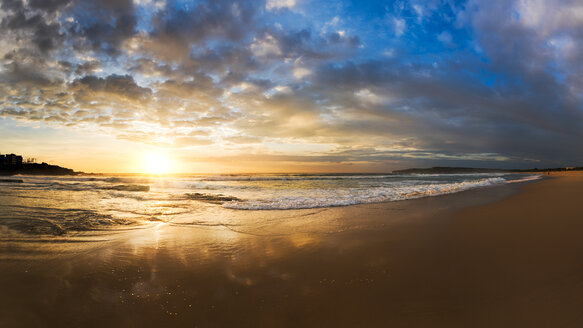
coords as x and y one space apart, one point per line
11 164
10 160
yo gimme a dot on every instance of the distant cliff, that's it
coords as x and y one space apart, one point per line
458 170
446 170
35 169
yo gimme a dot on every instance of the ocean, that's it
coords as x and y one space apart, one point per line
64 205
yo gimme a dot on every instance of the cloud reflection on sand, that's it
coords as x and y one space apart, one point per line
278 265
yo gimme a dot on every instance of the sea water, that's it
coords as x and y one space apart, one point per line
43 205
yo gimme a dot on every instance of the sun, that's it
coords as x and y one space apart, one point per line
157 163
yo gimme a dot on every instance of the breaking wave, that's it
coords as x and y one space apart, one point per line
290 177
58 206
130 187
331 198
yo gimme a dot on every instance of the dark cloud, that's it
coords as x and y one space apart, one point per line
103 25
122 85
298 43
223 18
88 68
31 26
25 74
48 5
178 27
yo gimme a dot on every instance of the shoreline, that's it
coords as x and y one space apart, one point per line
484 257
232 199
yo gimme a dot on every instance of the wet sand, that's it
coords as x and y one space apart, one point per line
501 256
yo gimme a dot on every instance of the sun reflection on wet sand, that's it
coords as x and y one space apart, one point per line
283 268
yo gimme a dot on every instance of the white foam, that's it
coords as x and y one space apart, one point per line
526 178
329 198
256 192
292 177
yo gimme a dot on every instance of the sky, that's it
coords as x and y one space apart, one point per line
292 85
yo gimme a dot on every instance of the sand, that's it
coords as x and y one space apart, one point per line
507 256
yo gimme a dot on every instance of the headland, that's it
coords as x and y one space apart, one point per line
11 164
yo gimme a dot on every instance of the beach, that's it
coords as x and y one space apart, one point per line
507 255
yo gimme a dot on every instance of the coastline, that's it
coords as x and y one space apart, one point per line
35 169
505 255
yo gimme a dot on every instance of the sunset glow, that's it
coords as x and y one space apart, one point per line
292 86
157 163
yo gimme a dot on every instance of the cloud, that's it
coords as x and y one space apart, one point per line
24 23
265 47
279 4
486 81
301 72
113 85
445 37
399 26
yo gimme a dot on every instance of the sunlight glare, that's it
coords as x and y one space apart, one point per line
156 163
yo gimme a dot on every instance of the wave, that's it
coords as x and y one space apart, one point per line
327 198
525 179
211 198
35 206
126 180
292 177
128 187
